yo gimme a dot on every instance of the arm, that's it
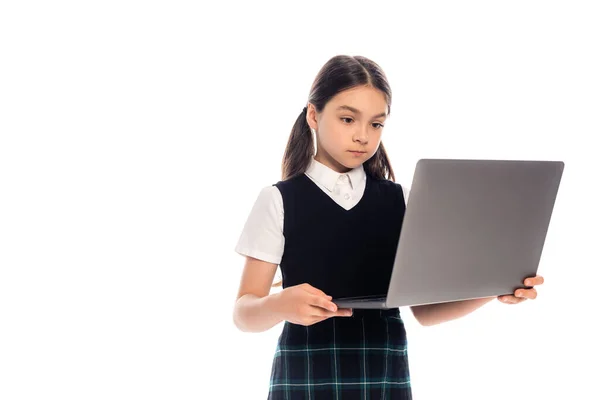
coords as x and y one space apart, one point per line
255 310
433 314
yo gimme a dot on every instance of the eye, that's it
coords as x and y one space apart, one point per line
346 118
380 126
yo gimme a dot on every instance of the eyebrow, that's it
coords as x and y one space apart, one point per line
344 107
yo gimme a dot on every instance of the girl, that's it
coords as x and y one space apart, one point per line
332 225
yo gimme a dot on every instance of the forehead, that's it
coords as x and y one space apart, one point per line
366 99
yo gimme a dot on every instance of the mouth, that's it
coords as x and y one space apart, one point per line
357 152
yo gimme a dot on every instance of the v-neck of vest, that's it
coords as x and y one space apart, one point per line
328 198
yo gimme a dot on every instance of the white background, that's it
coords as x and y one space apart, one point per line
135 137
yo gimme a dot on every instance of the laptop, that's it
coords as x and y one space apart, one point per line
472 229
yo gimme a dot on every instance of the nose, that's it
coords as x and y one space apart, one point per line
361 136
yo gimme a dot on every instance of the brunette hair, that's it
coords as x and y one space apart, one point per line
340 73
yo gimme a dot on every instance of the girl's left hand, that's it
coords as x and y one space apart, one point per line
521 295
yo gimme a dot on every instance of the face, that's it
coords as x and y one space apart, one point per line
349 128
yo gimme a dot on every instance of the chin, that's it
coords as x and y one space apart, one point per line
354 162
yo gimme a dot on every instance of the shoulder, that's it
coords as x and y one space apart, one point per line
405 191
292 187
262 235
267 210
290 183
268 197
389 186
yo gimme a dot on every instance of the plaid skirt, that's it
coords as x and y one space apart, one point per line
359 357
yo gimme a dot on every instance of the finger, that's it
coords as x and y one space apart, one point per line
534 281
318 301
526 293
509 299
344 312
318 312
323 313
314 290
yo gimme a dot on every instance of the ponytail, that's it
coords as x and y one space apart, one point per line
298 153
340 73
299 150
379 166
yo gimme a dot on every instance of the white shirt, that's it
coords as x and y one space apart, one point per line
262 236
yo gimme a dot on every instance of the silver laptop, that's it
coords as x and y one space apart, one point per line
472 229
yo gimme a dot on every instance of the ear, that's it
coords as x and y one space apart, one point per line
311 116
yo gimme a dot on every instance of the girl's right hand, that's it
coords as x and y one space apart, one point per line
306 305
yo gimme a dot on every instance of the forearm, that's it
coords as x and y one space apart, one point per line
433 314
256 314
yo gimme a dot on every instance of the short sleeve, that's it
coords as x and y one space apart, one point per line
405 192
262 236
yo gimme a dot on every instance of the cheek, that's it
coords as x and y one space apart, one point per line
375 140
332 139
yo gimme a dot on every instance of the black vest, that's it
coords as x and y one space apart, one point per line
344 253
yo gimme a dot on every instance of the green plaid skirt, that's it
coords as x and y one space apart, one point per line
358 357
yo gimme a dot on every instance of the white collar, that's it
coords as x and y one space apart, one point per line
328 177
